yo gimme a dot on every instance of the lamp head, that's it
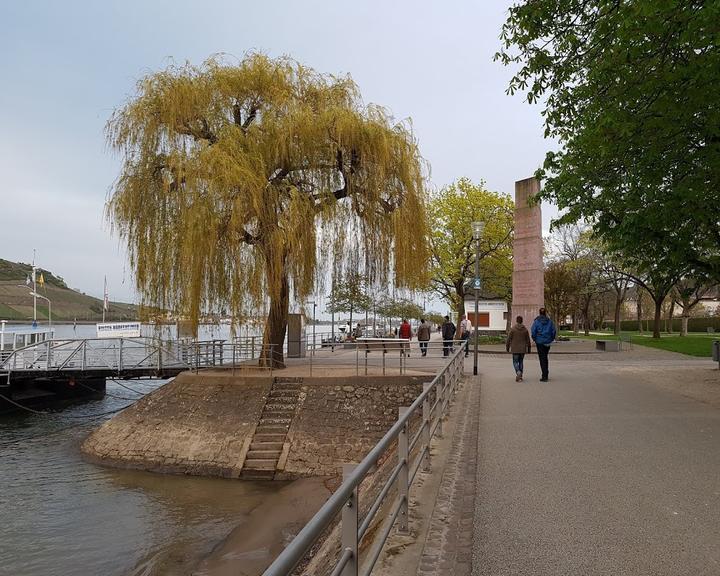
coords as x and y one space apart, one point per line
477 228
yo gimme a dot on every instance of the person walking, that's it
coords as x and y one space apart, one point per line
405 332
465 331
448 334
543 333
518 342
423 336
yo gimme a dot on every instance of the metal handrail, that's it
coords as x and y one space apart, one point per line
345 495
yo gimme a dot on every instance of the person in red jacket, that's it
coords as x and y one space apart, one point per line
406 333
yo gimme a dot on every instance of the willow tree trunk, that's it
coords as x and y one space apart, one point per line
276 328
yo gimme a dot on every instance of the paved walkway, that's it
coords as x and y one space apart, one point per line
596 472
611 468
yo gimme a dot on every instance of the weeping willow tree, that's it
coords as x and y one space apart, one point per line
241 183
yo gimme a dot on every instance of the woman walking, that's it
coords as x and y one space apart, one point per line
518 342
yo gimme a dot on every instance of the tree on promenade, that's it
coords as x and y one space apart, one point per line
349 295
452 212
399 308
629 91
241 182
560 290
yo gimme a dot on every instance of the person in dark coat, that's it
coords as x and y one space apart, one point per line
448 334
543 333
518 342
423 336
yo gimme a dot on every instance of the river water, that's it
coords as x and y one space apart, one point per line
60 515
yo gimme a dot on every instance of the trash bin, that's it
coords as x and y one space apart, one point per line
716 350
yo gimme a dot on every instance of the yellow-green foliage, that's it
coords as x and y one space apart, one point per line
452 211
238 179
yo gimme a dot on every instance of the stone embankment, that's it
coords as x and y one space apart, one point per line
256 426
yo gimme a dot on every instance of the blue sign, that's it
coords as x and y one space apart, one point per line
476 284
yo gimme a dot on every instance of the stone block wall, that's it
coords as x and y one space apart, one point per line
339 420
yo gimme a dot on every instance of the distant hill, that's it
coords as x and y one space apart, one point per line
16 304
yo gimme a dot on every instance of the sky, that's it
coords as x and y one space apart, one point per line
65 66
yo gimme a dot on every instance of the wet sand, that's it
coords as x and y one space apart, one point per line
250 548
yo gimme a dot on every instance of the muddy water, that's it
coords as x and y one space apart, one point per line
60 515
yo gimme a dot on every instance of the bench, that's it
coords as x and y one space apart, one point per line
608 345
384 344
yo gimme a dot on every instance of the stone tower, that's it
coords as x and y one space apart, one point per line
528 278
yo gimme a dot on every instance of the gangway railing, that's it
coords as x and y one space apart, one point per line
413 453
132 354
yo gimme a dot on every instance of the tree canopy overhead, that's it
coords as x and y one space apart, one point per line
240 181
630 91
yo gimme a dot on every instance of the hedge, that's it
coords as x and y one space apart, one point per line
694 324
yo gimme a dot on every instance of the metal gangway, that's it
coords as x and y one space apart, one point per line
125 357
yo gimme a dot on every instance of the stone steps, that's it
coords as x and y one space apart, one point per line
278 407
268 437
255 456
271 431
276 421
265 446
275 429
250 474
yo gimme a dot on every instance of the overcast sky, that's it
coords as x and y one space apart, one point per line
65 66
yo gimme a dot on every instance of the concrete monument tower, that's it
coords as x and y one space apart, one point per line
528 278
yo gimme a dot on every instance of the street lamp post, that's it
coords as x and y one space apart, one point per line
477 228
36 295
314 304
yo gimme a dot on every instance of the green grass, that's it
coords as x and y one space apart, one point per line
7 313
693 344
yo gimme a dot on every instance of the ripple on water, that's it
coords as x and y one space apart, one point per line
62 515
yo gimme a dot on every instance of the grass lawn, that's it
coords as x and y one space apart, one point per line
694 344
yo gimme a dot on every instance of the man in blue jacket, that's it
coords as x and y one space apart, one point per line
543 333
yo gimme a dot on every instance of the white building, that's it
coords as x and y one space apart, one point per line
492 314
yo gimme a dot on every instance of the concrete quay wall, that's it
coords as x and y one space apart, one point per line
203 424
196 424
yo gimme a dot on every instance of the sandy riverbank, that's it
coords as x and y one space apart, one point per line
251 546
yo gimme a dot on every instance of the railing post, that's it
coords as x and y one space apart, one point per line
426 422
440 406
159 356
350 518
84 348
120 359
402 480
47 365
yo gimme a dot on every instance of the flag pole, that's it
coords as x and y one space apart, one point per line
105 299
34 291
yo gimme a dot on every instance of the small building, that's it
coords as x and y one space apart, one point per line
492 313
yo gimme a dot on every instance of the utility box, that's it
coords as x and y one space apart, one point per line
297 339
716 350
